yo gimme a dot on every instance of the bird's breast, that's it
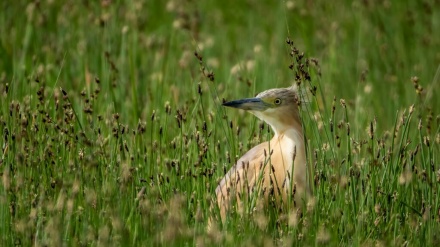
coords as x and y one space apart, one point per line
288 158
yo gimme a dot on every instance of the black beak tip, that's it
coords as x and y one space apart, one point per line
228 103
224 102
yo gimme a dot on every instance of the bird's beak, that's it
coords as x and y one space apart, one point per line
250 104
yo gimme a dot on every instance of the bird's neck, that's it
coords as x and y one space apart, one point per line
293 134
290 130
290 141
288 125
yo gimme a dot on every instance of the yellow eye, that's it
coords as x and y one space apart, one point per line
277 101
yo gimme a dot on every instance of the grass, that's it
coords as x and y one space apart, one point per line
113 133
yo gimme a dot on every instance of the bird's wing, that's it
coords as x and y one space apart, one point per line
246 165
241 178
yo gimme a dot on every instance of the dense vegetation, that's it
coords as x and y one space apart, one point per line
113 133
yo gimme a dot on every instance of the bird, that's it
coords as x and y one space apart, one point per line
274 170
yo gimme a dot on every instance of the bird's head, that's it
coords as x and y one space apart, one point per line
278 107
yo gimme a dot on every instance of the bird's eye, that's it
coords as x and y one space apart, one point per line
277 101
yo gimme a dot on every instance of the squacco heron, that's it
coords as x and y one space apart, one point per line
276 169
